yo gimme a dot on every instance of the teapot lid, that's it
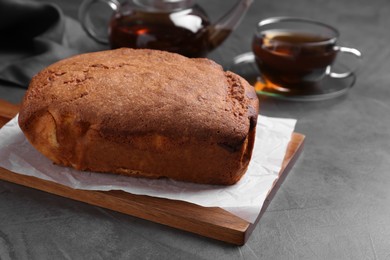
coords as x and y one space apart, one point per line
163 5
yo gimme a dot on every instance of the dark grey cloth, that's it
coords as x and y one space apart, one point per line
35 35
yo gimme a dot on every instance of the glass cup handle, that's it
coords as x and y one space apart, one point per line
346 50
85 19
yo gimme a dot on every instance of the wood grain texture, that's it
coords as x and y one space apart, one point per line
214 222
7 111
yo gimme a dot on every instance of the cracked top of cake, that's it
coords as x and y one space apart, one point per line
128 92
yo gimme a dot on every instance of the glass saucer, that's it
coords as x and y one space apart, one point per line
245 66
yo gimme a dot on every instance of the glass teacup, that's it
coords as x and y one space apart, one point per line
294 54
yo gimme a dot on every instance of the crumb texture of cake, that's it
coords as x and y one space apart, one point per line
143 113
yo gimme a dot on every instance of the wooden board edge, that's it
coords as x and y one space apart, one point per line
214 223
294 150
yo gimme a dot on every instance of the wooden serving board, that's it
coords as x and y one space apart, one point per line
214 222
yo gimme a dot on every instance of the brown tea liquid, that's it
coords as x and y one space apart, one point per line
183 32
292 59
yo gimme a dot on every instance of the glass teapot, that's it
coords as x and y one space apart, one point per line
180 26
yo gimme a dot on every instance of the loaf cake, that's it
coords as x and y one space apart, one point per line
143 113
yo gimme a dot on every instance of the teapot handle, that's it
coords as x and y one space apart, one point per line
228 22
86 21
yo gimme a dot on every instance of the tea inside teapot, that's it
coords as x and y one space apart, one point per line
184 31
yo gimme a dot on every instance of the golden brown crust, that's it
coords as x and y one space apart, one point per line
143 113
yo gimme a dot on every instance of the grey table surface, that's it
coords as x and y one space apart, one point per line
334 204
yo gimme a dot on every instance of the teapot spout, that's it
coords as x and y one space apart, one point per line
227 23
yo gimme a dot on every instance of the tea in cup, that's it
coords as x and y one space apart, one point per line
296 53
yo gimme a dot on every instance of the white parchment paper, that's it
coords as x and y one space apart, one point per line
243 199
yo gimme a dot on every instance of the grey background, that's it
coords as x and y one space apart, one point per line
335 203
